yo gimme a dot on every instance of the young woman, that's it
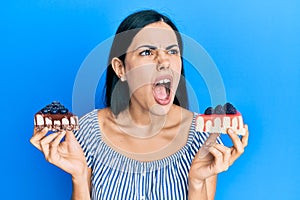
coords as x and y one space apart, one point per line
144 144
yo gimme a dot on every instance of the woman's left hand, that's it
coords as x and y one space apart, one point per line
213 158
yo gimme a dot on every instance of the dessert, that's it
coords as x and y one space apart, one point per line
219 119
56 117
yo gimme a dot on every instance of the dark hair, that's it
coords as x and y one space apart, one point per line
117 92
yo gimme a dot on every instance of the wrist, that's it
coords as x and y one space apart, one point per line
197 190
81 186
80 177
196 184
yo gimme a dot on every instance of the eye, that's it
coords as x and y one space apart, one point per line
173 51
146 52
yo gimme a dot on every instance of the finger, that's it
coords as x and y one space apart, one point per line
245 137
58 139
54 156
40 133
237 143
218 160
212 138
226 153
72 141
37 136
45 143
210 141
203 151
70 136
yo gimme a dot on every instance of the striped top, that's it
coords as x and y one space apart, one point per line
115 176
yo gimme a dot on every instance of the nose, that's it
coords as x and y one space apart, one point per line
161 67
163 61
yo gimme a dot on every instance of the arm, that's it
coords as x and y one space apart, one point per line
212 159
82 186
68 156
204 189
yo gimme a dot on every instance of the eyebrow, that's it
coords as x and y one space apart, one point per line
154 47
146 46
171 46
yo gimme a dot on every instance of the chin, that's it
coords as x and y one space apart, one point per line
160 110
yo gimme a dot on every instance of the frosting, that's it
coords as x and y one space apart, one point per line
55 116
220 123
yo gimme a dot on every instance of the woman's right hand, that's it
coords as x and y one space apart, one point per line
66 154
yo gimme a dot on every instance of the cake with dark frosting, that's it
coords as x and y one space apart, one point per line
56 117
219 119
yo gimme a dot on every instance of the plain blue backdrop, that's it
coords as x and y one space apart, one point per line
255 45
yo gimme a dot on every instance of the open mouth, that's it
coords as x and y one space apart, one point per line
162 90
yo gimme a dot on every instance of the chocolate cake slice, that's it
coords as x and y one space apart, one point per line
56 117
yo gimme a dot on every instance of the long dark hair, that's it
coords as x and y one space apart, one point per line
117 95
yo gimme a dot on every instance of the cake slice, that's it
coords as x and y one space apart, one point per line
56 117
219 119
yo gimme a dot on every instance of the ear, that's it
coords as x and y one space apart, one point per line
119 68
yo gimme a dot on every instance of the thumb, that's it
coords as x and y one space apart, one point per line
70 136
204 150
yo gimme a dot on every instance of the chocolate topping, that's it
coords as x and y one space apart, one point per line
56 117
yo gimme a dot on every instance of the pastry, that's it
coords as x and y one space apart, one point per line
219 119
56 117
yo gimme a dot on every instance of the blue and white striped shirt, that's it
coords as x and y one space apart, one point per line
115 176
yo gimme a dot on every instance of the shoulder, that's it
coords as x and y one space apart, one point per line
87 118
94 114
88 125
104 113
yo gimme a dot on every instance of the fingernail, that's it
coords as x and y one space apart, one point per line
206 143
230 131
209 144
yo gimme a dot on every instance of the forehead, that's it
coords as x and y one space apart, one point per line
158 34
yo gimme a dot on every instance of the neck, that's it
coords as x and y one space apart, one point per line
140 123
144 117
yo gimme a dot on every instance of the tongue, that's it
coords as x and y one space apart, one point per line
160 92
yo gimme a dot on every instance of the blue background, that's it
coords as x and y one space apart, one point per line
255 45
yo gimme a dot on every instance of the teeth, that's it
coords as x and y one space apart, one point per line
164 81
167 80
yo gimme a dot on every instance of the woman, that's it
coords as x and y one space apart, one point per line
144 144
